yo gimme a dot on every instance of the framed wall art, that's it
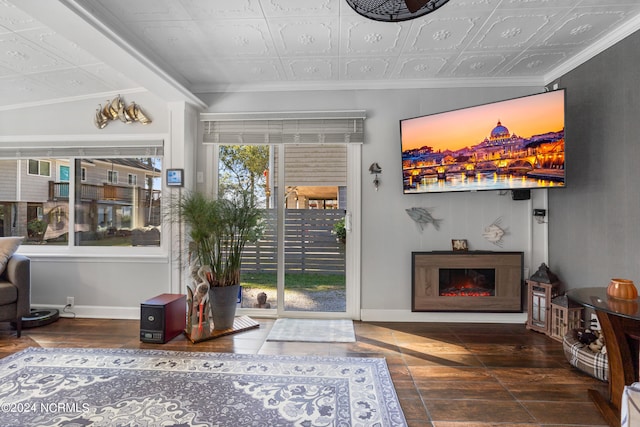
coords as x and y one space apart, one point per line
459 245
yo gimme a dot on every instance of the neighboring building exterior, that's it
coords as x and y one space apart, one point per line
114 197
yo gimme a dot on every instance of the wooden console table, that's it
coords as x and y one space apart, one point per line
620 322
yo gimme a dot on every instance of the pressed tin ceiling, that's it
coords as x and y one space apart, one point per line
68 49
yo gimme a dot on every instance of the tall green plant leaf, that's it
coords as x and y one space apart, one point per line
219 230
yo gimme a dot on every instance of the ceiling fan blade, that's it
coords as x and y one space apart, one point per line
415 5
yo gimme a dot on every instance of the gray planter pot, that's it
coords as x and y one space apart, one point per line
223 300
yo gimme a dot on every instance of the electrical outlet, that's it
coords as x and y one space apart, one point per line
70 301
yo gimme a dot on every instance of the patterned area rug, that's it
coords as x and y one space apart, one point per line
312 330
105 387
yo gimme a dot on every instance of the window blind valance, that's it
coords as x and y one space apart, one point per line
63 149
276 128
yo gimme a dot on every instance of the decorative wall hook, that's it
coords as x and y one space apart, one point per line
116 110
375 169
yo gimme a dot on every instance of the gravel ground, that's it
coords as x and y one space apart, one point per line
298 300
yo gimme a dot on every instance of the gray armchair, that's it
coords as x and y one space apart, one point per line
15 291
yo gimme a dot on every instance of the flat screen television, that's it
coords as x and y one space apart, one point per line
514 144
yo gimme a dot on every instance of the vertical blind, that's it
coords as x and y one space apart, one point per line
284 128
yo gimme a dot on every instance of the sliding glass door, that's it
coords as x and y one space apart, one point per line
298 266
315 205
246 168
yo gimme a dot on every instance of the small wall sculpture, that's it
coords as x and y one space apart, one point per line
494 233
423 217
117 110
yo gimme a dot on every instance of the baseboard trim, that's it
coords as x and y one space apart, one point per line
408 316
366 315
95 312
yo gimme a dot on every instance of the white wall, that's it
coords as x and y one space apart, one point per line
182 155
76 118
103 287
110 285
389 235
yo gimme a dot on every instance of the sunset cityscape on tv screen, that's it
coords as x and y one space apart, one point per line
506 145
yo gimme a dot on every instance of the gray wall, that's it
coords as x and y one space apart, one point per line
388 234
594 224
593 232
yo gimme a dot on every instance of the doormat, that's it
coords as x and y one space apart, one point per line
312 330
124 387
240 324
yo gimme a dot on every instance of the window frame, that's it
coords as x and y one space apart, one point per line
40 162
70 147
110 175
271 127
72 250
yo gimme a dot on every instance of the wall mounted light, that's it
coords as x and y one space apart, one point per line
375 169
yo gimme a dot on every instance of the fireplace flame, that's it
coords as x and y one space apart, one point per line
466 293
466 289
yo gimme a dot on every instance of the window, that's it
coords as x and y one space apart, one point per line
101 215
63 173
80 203
112 177
39 167
33 207
120 215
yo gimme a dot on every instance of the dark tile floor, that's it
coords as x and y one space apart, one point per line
446 374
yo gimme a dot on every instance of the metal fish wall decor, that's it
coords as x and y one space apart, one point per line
423 217
117 110
494 233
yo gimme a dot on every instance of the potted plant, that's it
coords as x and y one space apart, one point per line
218 229
340 230
36 229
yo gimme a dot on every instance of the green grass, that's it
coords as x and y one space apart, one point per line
310 282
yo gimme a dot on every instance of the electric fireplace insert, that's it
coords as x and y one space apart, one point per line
467 281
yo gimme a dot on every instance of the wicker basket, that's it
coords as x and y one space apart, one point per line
580 356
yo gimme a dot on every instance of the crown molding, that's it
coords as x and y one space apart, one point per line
437 83
595 49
